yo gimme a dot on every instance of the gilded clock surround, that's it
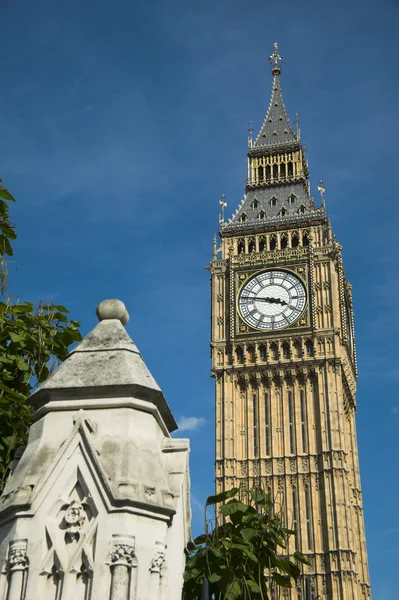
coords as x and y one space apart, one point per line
286 399
242 277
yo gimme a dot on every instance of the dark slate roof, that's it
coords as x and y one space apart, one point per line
273 213
276 128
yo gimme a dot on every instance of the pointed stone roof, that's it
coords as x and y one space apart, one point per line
276 128
106 364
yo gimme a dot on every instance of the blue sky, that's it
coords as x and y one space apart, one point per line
122 123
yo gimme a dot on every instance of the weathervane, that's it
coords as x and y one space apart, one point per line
275 59
223 205
321 189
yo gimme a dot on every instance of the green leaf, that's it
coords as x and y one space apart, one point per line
221 497
4 193
232 507
214 577
248 533
233 590
259 496
252 586
22 364
201 539
282 580
17 337
301 558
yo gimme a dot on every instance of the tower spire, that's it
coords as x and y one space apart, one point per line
276 128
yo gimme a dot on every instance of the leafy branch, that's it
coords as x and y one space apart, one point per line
245 554
33 340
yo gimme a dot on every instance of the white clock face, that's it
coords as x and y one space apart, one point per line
272 300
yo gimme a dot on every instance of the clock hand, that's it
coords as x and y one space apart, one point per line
267 299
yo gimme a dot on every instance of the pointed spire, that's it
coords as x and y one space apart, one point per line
276 128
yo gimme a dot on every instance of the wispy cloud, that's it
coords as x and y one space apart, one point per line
395 410
393 530
190 423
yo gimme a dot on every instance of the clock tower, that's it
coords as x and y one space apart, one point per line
284 361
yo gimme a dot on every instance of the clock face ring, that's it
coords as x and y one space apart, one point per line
272 300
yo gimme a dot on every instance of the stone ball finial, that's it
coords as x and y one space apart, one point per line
112 309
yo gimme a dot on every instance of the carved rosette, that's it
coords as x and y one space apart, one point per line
75 517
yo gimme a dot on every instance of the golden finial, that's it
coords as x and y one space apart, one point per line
321 189
275 59
223 205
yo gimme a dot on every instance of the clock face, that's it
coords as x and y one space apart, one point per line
272 300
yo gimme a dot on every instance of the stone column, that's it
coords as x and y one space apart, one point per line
17 564
123 562
157 571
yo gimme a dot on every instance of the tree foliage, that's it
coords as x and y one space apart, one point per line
239 557
32 342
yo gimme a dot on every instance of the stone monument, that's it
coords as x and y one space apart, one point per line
98 505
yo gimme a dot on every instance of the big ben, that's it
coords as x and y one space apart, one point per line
284 361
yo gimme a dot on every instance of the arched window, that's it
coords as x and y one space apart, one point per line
294 240
240 353
275 171
273 201
283 241
262 244
261 215
255 423
243 218
286 350
305 240
274 351
267 423
302 209
262 352
241 247
297 349
290 169
255 203
303 421
282 170
283 212
251 245
260 173
292 199
273 242
291 418
268 173
309 348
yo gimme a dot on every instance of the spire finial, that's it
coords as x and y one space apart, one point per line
112 309
298 132
250 132
223 205
275 59
321 189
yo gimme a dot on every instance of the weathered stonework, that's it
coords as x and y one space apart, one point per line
98 504
285 398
